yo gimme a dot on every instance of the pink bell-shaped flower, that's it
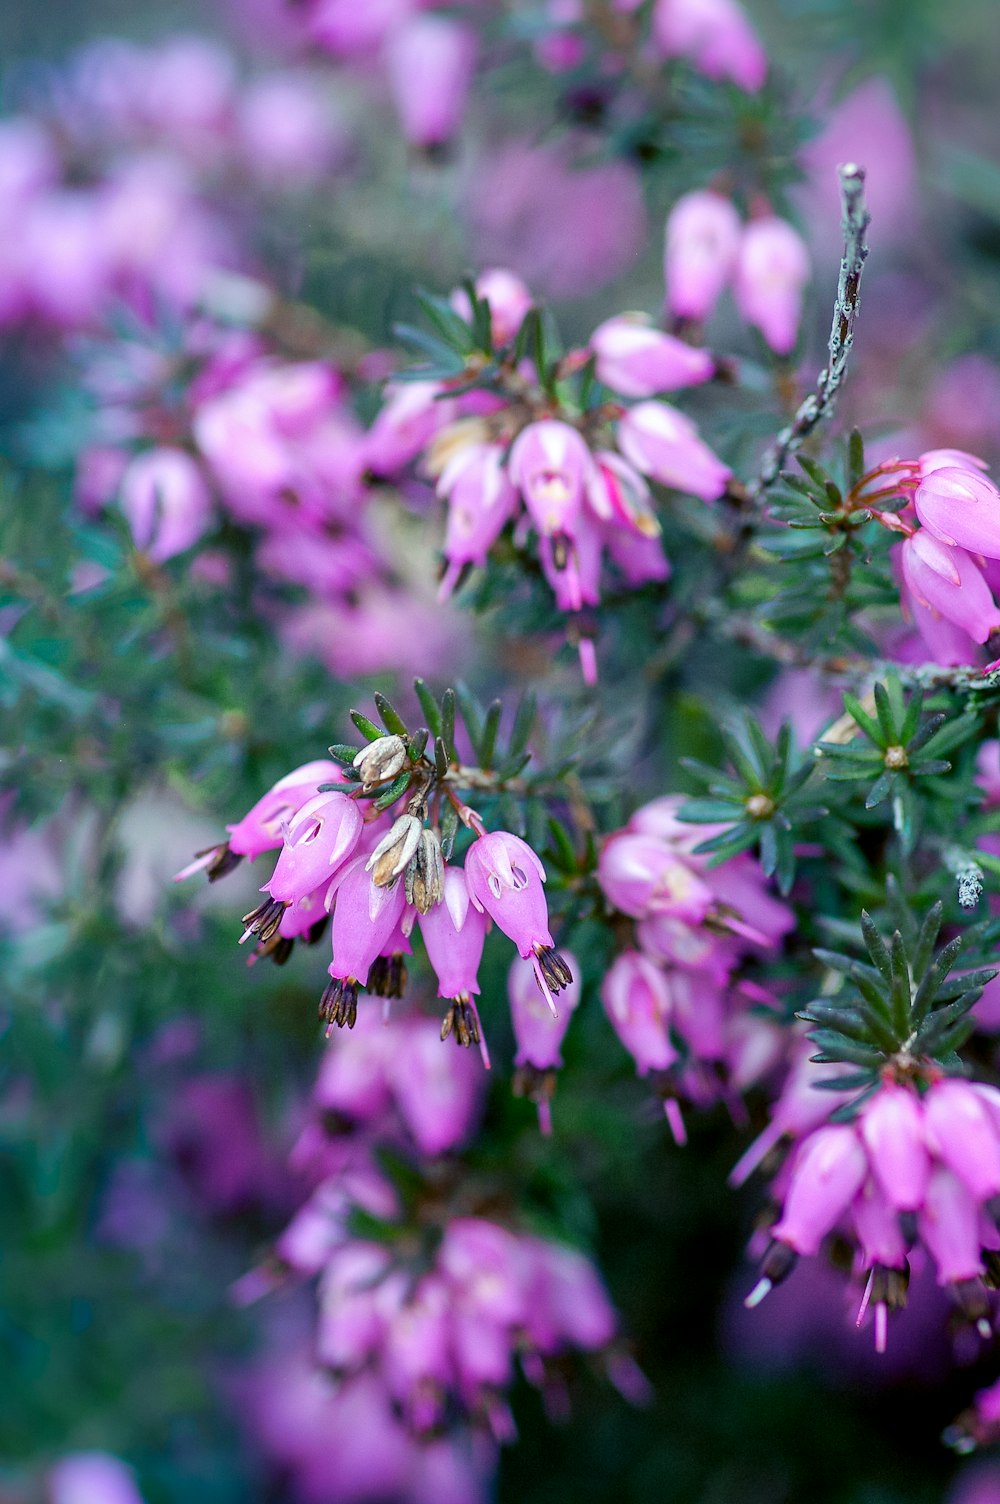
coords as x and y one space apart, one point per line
641 875
537 1034
892 1130
550 464
166 502
437 1091
636 1000
481 501
829 1169
948 581
430 59
639 361
505 880
663 443
949 1226
877 1227
364 917
962 1133
261 827
319 839
961 507
771 273
702 243
454 934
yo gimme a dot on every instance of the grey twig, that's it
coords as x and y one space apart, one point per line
845 311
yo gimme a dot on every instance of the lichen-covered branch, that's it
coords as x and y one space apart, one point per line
820 402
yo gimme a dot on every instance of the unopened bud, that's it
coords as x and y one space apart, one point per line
425 874
394 850
381 760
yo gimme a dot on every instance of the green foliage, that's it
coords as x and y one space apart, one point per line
761 804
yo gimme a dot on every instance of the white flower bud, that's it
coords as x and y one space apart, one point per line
381 760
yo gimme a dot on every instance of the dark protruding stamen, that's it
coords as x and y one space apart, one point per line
461 1021
339 1004
388 975
263 921
277 949
225 861
554 969
889 1286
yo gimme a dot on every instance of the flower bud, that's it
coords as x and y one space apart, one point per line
430 61
702 244
639 361
380 761
771 272
394 850
635 998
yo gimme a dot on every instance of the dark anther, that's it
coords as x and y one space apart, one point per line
461 1021
339 1004
263 921
554 969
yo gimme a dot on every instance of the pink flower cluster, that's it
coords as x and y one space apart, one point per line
221 428
671 995
441 1337
577 480
714 36
419 1331
912 1167
949 560
377 874
766 262
422 54
155 127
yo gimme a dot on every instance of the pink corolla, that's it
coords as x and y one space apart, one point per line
637 1001
537 1034
932 1155
664 443
505 879
436 1091
772 270
429 62
639 361
318 840
960 506
550 465
454 934
641 876
949 583
364 917
715 36
481 501
700 251
262 827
